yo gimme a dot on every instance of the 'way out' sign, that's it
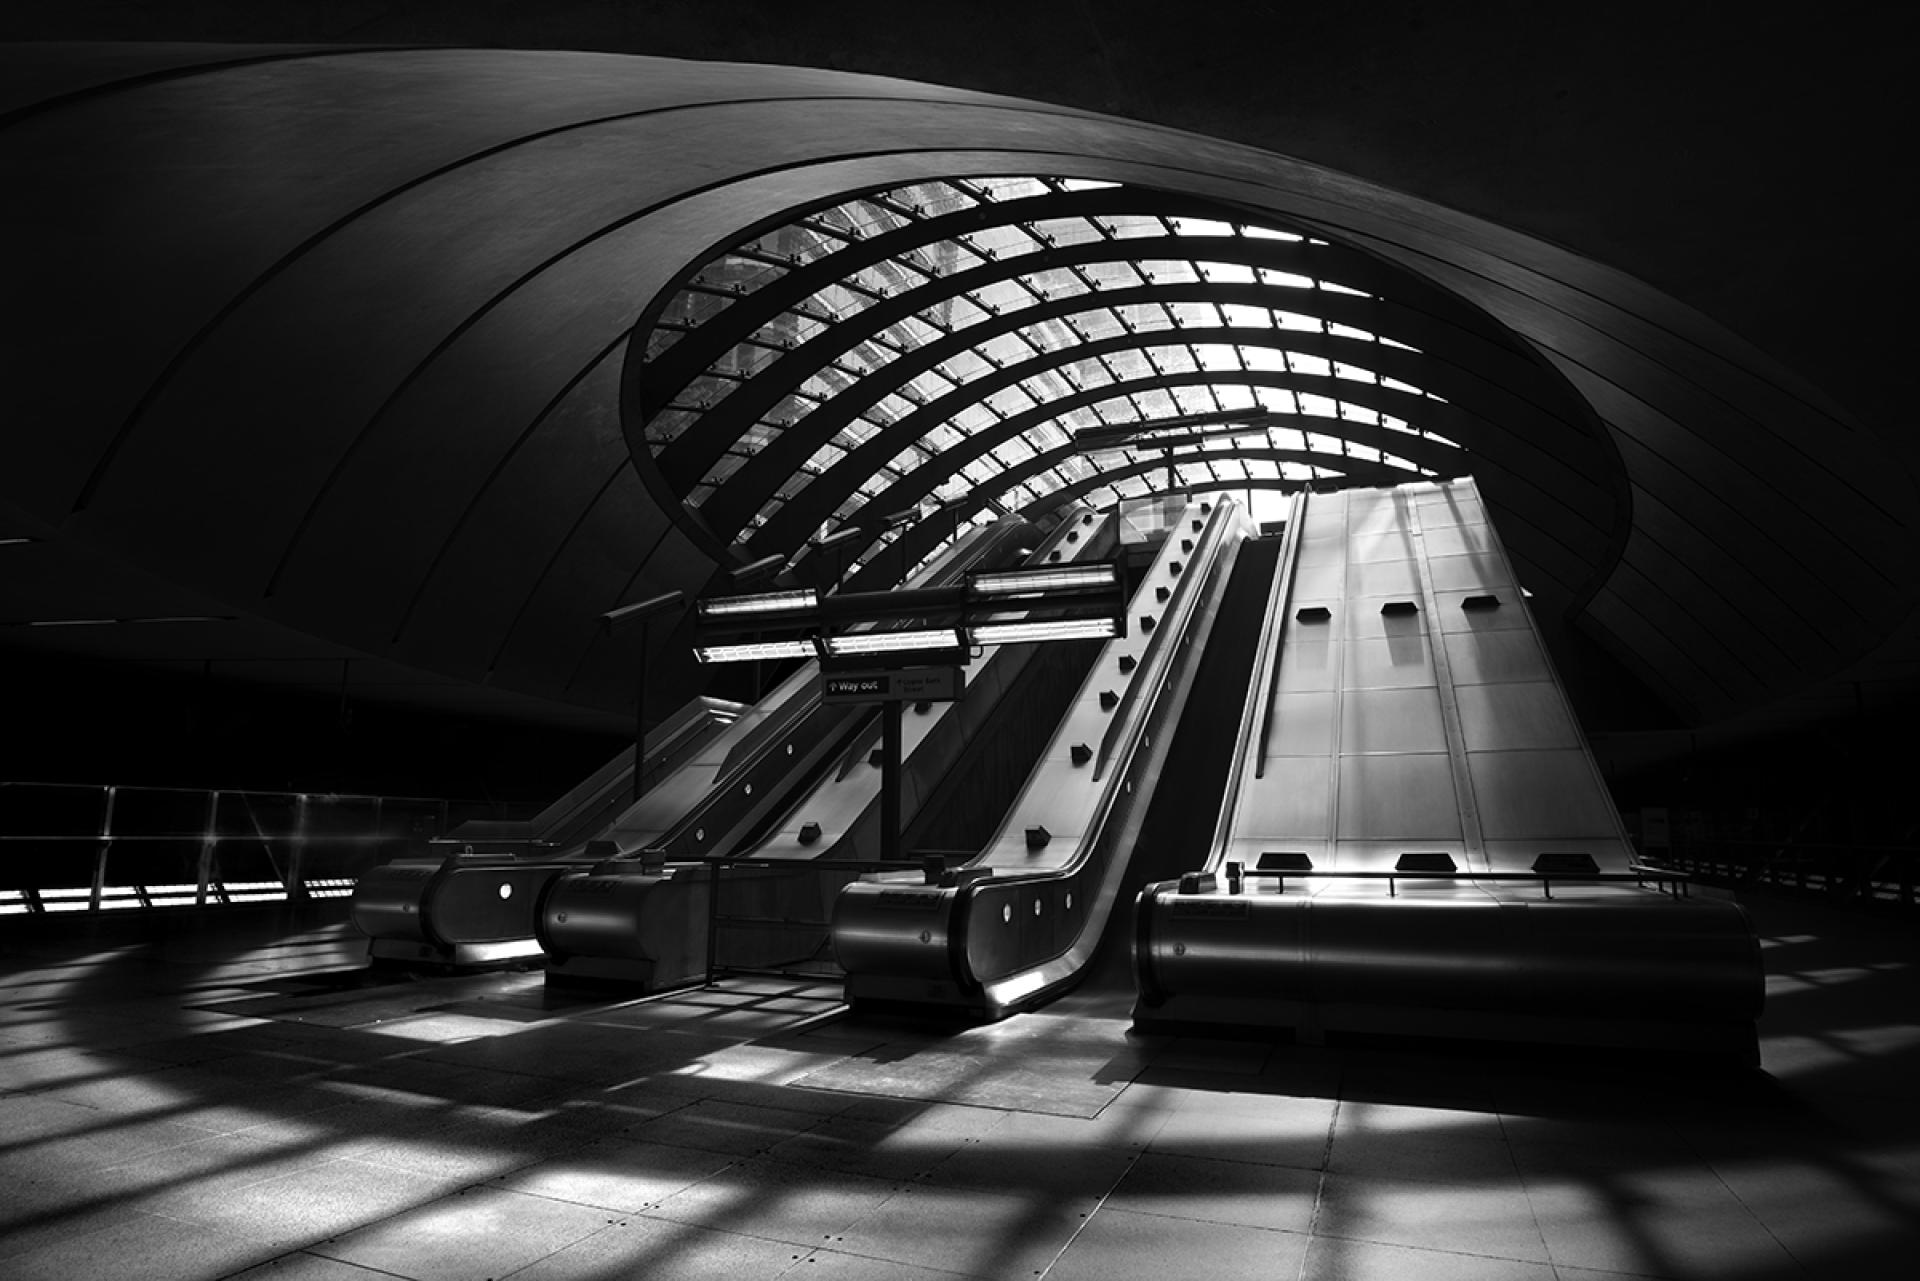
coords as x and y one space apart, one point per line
912 685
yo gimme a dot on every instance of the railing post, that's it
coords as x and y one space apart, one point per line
100 855
297 848
207 843
713 917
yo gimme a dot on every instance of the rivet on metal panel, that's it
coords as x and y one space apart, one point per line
1087 519
1488 601
1037 837
1053 555
1128 662
922 708
1186 544
1313 614
876 757
1196 526
1160 594
1146 622
1073 535
1081 753
1108 700
809 833
1174 567
1396 608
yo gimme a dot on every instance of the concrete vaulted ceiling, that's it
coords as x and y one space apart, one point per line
340 345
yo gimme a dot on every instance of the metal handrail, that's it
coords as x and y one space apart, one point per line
1636 873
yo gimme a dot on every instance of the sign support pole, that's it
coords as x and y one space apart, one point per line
890 781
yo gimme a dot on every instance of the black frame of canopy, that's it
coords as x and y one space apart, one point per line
943 626
988 607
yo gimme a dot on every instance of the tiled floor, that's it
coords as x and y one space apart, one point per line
206 1106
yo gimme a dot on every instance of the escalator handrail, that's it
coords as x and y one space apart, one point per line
1257 713
805 703
1193 579
1152 660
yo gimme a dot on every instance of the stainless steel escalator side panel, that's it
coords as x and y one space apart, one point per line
649 928
386 900
453 911
999 943
902 939
1417 715
1624 969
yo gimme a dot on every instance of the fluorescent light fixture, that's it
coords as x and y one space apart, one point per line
1057 629
753 651
1067 578
760 603
894 642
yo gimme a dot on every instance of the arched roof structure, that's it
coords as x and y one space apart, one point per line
400 354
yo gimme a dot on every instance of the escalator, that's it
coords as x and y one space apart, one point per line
1414 839
1017 923
645 921
479 902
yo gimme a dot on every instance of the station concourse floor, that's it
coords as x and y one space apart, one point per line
219 1096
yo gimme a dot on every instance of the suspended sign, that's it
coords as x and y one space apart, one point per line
909 685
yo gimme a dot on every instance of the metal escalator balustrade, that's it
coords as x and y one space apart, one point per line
1417 840
1019 921
654 926
482 903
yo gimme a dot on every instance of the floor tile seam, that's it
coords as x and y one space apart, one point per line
1100 1203
276 1259
655 1215
732 1155
1320 1183
1217 1223
1755 1216
622 1211
1318 1232
1152 1148
1526 1193
881 1258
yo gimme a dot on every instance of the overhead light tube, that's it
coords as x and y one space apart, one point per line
894 642
1066 578
1058 629
754 651
760 603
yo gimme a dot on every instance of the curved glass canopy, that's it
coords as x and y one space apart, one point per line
991 345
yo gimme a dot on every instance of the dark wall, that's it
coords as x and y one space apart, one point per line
73 722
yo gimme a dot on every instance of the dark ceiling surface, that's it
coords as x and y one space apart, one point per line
333 339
